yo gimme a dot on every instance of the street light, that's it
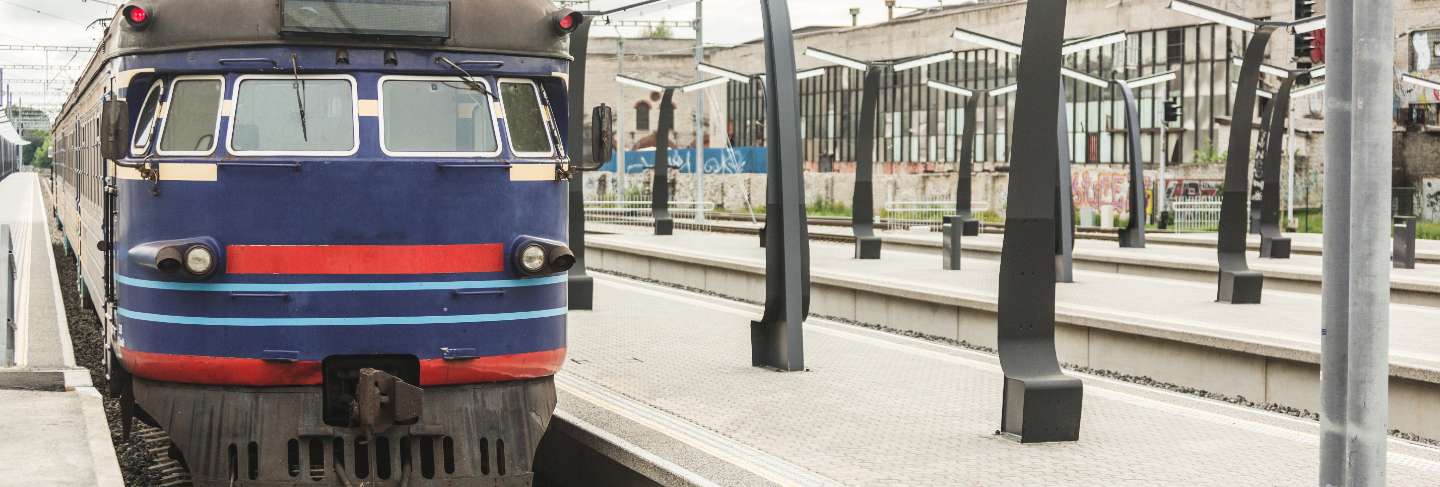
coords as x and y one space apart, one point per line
862 220
659 182
1064 194
1237 284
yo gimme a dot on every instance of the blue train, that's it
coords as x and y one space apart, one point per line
326 238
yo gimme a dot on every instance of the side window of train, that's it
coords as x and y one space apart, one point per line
192 118
145 123
525 119
438 117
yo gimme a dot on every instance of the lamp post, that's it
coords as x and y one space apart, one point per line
862 219
660 179
1236 283
777 339
745 79
1133 235
1266 215
963 223
1040 403
1065 198
581 286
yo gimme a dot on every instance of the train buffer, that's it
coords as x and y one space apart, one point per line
51 417
663 373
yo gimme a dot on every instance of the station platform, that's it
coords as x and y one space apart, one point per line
1186 256
51 417
667 374
1168 330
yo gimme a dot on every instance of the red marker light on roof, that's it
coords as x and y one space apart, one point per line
138 17
566 21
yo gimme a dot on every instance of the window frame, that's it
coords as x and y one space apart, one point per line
354 117
546 120
494 118
219 114
137 150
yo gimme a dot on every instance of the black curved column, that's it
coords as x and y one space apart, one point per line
862 217
1238 284
776 341
964 213
660 180
1133 235
1064 197
1273 243
1041 403
581 286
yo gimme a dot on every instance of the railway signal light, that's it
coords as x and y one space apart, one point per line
137 17
566 21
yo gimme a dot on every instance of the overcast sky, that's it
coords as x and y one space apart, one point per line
64 22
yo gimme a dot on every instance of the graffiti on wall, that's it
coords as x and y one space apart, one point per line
1430 189
1096 188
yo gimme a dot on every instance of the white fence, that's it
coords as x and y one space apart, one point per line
1196 214
636 213
903 215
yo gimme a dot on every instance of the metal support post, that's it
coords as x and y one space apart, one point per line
1133 235
1041 403
660 179
776 340
699 115
581 286
1367 391
620 123
1237 284
1273 244
1335 255
1064 196
862 219
966 169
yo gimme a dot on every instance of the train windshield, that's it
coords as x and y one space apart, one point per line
268 120
191 117
529 135
430 116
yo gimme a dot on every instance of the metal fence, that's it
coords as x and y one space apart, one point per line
1196 214
922 215
637 214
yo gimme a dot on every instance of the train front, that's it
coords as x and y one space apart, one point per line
339 249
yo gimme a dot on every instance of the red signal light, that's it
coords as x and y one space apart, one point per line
566 21
138 17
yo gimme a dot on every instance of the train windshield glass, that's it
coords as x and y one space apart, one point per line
524 119
267 116
191 117
430 116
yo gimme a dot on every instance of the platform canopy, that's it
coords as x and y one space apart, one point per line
9 134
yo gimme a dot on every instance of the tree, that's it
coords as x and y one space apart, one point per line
660 31
39 149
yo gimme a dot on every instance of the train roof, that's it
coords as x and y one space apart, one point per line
506 27
517 27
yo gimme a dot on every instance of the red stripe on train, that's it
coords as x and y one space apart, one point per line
364 259
198 369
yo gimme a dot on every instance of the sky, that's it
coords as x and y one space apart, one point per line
64 22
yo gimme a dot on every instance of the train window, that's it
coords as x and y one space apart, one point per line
145 125
525 119
268 117
192 117
436 117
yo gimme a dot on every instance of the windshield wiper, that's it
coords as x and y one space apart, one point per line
465 77
299 86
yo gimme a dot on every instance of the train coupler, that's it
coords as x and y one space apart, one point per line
383 400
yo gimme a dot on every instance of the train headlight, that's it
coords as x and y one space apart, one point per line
199 260
532 258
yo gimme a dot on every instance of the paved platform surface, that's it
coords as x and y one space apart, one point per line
669 373
1171 255
55 439
51 420
1286 325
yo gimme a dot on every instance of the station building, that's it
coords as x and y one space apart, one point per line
919 128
